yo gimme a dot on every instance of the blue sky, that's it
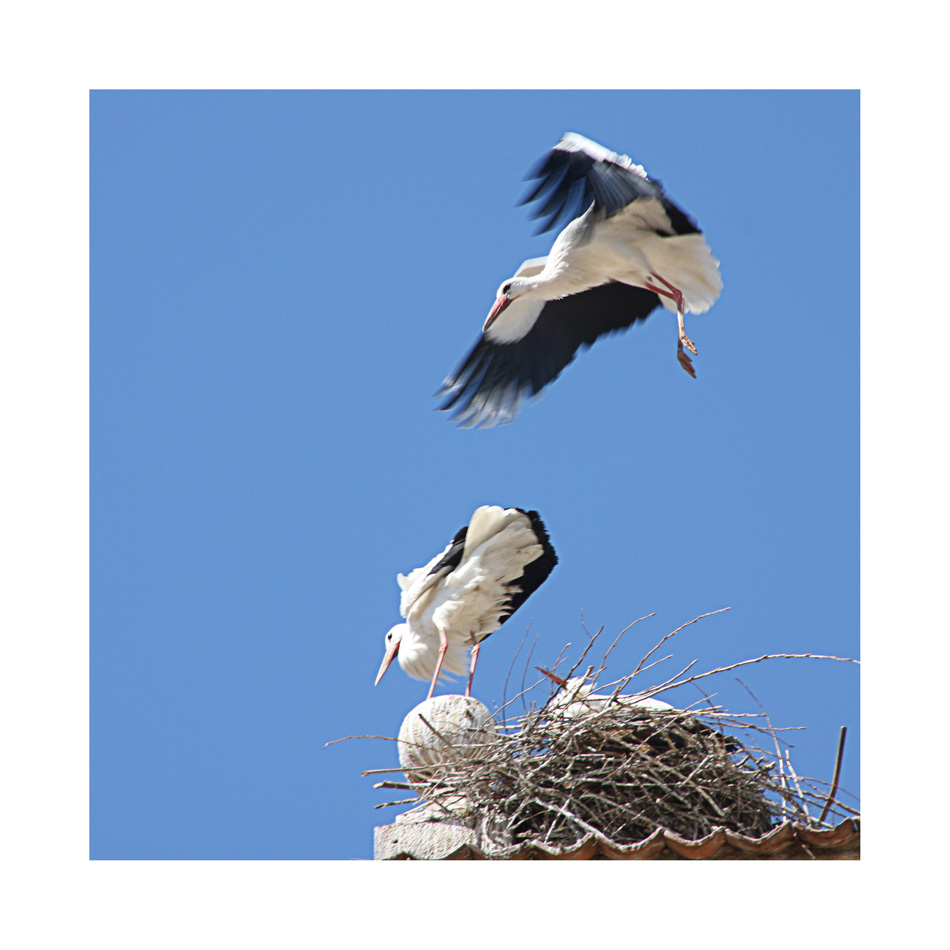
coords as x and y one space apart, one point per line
280 281
46 687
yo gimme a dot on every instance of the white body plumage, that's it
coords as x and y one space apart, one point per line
575 700
467 592
626 250
594 250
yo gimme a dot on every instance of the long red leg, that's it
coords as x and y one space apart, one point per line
471 675
676 295
443 646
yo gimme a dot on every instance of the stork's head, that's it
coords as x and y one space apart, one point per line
574 690
510 290
393 639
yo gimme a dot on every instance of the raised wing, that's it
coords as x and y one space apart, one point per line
536 572
424 579
486 522
577 173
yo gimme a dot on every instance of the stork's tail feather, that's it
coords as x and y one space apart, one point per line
686 261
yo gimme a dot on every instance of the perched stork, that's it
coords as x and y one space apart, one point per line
467 592
626 249
575 700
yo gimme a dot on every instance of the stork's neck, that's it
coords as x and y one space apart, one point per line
558 279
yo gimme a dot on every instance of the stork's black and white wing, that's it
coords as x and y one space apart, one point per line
502 369
577 173
535 572
498 535
424 579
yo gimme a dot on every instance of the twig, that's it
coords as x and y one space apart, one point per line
837 773
404 801
673 634
566 814
758 659
649 666
524 672
603 662
504 691
580 659
802 798
502 723
771 731
436 731
345 738
670 683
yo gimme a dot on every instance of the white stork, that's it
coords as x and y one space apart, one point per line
626 250
574 698
467 592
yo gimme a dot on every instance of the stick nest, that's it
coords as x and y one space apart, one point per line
622 772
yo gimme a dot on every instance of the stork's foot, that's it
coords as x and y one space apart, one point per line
685 361
688 343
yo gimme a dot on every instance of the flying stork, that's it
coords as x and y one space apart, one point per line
626 250
463 595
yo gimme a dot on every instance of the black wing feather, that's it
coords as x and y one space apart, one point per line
535 573
495 375
574 180
453 557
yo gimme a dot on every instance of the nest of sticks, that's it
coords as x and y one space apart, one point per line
623 771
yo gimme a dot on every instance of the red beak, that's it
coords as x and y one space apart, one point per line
391 652
496 311
551 676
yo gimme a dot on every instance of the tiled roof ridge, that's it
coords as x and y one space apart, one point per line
842 841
